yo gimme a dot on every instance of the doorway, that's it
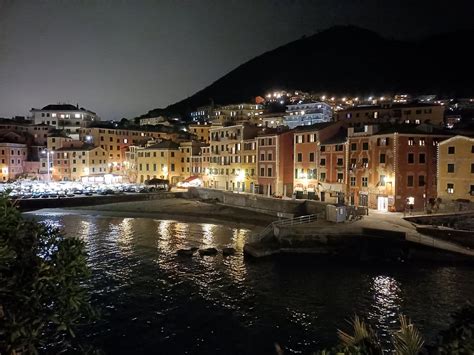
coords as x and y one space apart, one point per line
382 204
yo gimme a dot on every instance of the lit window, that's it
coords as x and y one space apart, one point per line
77 115
125 140
53 115
421 142
450 188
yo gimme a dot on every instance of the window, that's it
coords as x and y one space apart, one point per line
340 177
421 158
269 170
262 172
311 156
410 180
172 154
365 146
339 148
323 148
421 180
296 173
365 162
262 157
450 188
300 138
323 177
322 162
311 138
382 159
339 161
450 168
365 181
270 156
353 181
382 180
300 157
422 142
451 150
172 167
354 146
411 141
472 168
472 149
411 158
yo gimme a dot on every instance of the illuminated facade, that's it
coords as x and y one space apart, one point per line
275 163
66 117
305 114
13 157
456 169
238 113
390 169
314 177
394 113
232 160
201 131
161 161
76 160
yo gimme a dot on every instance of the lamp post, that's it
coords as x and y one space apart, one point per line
48 166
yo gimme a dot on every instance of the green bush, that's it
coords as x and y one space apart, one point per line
43 293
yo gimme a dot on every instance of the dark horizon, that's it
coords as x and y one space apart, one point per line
121 59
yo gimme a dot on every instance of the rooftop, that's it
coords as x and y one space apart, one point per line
165 144
62 107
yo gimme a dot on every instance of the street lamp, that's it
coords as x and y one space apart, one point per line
48 152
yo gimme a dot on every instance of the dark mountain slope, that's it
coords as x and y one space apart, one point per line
346 60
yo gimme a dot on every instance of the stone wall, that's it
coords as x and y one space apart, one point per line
259 203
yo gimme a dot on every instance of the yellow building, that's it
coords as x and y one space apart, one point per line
201 131
456 169
57 140
161 160
72 162
232 163
117 140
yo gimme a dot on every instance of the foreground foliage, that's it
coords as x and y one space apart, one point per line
42 291
407 340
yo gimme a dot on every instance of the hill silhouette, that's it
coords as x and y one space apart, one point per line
346 60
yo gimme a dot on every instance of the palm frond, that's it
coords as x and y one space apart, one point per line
407 340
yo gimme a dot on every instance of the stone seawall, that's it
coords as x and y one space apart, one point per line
36 204
258 203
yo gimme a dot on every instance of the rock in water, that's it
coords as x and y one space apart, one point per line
208 251
186 252
228 251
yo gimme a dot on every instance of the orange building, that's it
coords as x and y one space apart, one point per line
392 168
275 163
307 159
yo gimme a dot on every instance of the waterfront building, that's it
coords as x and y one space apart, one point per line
304 114
56 140
456 169
310 168
410 113
390 168
13 157
232 166
66 117
116 141
275 162
76 160
189 150
160 161
201 131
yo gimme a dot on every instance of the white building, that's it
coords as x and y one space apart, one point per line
65 117
304 114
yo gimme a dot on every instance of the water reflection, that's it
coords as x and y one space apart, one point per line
152 299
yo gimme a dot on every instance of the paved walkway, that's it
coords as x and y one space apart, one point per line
390 221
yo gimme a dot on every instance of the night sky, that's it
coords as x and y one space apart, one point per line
122 58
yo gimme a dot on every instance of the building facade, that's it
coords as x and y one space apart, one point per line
456 169
275 163
305 114
13 157
76 160
66 117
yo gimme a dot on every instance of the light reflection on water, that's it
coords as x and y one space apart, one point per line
152 299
